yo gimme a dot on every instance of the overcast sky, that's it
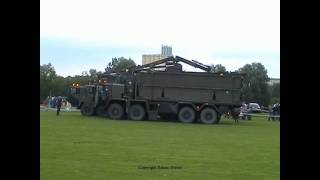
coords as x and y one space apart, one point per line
78 35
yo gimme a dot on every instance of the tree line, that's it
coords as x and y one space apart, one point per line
255 83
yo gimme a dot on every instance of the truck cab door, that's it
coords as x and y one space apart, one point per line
96 95
90 95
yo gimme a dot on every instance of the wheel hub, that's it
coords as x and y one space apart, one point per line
115 111
186 115
208 116
136 113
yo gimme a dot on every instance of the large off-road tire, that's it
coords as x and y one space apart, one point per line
209 116
87 110
187 115
102 111
115 111
137 112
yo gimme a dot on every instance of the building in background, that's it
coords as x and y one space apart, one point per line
149 58
166 51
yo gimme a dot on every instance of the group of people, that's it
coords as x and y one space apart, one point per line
274 112
52 102
58 102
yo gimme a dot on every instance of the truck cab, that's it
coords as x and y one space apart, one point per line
92 99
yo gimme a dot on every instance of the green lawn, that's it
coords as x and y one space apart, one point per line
74 147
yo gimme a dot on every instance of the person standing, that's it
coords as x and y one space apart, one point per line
270 113
54 102
249 111
279 111
68 107
58 103
243 111
49 102
274 111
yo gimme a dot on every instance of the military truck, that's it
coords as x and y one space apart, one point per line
143 92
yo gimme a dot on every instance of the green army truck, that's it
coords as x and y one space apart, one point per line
143 92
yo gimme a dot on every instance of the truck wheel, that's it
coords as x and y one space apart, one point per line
187 115
115 111
137 112
87 110
102 111
209 116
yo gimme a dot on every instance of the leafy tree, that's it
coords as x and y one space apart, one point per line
275 90
275 93
94 74
255 87
59 86
82 80
119 64
47 71
47 75
85 73
99 73
219 68
52 84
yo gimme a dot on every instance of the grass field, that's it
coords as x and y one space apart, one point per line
74 147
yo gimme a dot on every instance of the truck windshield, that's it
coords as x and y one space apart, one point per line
75 90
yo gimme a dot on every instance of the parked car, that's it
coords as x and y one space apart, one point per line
254 108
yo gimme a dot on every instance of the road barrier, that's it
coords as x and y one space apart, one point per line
43 108
261 115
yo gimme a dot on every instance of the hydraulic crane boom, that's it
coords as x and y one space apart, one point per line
170 60
194 63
